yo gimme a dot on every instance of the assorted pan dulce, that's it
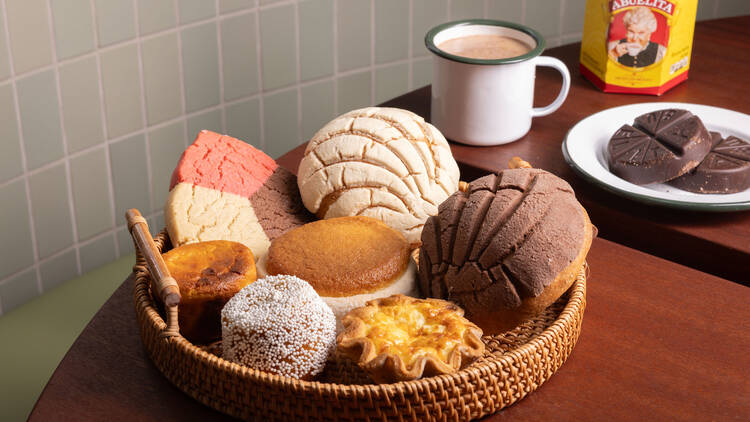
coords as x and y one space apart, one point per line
506 248
401 338
225 189
279 325
384 163
503 250
347 260
208 275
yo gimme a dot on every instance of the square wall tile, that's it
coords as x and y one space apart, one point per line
16 250
200 63
4 58
59 269
115 21
267 2
155 16
706 9
570 39
90 181
243 121
122 90
74 27
226 6
40 119
732 8
129 176
544 16
239 56
317 107
505 10
467 9
18 290
30 41
166 146
124 242
161 69
278 46
353 23
53 226
280 123
316 38
421 73
10 147
195 10
426 14
210 120
97 253
573 16
391 81
353 91
391 30
81 104
156 223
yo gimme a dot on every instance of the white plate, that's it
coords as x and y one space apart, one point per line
585 149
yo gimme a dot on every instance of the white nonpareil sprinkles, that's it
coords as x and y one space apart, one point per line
278 324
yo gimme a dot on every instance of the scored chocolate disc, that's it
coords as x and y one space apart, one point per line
658 147
726 169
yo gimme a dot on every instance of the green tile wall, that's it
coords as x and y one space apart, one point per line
98 98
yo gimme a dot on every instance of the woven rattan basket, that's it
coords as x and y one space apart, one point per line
515 364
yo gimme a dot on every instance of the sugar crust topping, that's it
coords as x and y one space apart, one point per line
278 324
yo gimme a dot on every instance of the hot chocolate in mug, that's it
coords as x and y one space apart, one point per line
480 101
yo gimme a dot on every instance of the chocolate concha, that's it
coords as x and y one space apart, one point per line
506 248
384 163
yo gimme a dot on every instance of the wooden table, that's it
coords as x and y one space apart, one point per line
717 243
660 341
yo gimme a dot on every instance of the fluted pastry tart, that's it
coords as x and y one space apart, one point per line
400 338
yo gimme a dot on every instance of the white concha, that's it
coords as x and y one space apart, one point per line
385 163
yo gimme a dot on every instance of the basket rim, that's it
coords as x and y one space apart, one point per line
143 299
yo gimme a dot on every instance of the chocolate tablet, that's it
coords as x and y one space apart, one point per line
726 169
658 147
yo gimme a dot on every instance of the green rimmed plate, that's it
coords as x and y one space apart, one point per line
585 150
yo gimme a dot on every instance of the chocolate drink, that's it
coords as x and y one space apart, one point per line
726 169
660 146
485 46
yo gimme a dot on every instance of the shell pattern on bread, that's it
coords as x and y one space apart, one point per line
384 163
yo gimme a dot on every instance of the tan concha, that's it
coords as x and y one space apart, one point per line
384 163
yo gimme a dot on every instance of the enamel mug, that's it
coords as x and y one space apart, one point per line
488 101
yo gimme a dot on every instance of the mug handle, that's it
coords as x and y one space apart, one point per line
560 66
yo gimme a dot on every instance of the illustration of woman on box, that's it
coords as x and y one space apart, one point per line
637 49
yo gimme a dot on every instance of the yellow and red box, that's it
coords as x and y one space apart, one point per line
637 46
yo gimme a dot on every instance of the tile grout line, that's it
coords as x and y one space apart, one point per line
105 144
220 58
181 72
24 164
410 48
144 116
372 54
523 12
259 56
335 58
63 138
299 72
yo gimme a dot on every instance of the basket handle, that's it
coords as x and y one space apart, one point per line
161 281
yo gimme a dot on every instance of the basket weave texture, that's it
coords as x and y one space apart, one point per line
514 364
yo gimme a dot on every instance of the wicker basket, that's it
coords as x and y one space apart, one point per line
515 364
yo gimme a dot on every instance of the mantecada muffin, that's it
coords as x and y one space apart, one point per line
208 275
347 260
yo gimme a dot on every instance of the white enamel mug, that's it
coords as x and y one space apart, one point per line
488 102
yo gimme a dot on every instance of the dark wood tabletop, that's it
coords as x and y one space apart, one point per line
660 341
717 243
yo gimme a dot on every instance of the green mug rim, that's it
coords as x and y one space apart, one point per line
430 36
